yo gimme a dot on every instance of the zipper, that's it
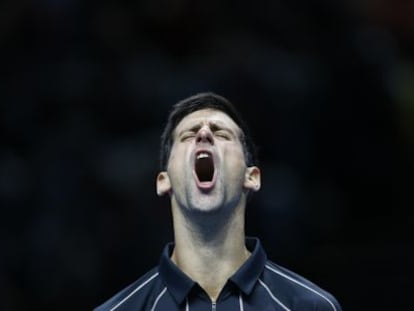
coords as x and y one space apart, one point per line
213 306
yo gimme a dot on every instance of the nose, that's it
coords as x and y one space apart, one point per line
204 135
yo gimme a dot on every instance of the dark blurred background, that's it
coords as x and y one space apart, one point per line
327 87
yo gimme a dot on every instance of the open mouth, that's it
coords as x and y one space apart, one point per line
204 167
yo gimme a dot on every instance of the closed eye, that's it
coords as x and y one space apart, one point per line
187 136
222 134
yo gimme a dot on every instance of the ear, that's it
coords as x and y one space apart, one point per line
252 178
163 183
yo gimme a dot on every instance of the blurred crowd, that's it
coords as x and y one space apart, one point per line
327 88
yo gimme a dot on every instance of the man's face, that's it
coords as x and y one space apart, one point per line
206 169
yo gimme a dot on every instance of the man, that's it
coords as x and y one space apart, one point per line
208 169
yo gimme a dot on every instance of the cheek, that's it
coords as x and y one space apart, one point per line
236 164
236 154
175 155
178 160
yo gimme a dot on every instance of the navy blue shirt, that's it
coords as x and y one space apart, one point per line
258 284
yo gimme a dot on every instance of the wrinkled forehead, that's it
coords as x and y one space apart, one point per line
209 117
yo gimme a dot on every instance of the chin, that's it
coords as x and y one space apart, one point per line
206 206
221 208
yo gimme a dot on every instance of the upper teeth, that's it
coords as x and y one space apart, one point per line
202 155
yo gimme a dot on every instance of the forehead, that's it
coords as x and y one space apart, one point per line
207 116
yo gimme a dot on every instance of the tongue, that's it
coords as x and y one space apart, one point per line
204 168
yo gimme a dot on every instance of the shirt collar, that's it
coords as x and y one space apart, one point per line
179 284
247 275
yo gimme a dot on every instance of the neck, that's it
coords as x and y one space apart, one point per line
209 247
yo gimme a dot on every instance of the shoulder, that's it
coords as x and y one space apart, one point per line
297 291
135 295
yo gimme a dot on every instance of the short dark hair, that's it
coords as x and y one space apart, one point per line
200 101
